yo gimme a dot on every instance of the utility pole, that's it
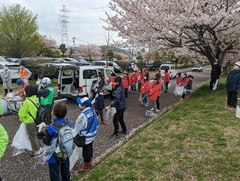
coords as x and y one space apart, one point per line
64 23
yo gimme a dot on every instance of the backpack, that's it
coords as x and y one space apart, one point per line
41 115
65 145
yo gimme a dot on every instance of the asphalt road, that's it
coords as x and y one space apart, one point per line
24 168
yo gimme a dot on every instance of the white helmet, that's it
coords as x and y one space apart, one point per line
46 80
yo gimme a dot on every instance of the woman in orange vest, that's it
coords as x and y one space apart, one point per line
24 72
111 80
145 88
140 78
179 79
133 80
154 94
166 80
126 84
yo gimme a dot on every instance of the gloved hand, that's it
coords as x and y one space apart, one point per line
41 126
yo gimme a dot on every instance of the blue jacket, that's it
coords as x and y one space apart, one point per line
52 131
99 102
233 81
119 101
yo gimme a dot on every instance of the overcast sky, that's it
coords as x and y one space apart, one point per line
83 19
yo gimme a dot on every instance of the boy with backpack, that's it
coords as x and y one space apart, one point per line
59 167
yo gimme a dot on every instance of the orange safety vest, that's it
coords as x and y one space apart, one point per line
23 73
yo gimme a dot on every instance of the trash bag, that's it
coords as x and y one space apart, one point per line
215 85
109 86
77 152
238 112
178 91
21 141
110 113
48 151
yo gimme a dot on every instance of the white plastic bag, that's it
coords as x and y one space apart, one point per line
238 112
21 141
215 85
77 152
110 113
109 86
178 91
48 151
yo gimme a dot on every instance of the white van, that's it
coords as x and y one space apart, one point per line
76 81
171 69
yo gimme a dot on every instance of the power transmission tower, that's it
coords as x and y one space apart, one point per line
64 23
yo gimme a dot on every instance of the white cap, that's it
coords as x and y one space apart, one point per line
46 80
237 63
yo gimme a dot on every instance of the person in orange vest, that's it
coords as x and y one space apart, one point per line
140 78
22 85
111 80
145 88
24 72
126 84
166 80
179 79
154 94
133 80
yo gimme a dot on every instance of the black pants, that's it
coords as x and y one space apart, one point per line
54 171
101 114
157 102
212 81
87 152
118 117
166 86
232 99
139 86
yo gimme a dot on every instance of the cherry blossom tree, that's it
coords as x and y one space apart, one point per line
47 44
207 28
89 51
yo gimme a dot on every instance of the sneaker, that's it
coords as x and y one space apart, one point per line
114 134
37 154
181 99
157 110
123 132
227 107
232 108
151 109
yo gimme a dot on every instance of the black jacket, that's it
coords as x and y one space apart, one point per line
216 71
119 101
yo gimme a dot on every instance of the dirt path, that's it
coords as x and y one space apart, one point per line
24 168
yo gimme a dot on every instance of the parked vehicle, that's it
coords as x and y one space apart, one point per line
76 81
110 64
197 68
14 67
132 67
13 60
150 63
171 69
83 62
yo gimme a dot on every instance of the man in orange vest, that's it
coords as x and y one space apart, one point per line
24 72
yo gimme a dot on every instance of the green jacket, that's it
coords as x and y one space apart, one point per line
28 107
3 140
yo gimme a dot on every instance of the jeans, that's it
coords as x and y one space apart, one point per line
118 117
56 168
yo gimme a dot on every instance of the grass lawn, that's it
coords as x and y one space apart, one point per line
196 140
